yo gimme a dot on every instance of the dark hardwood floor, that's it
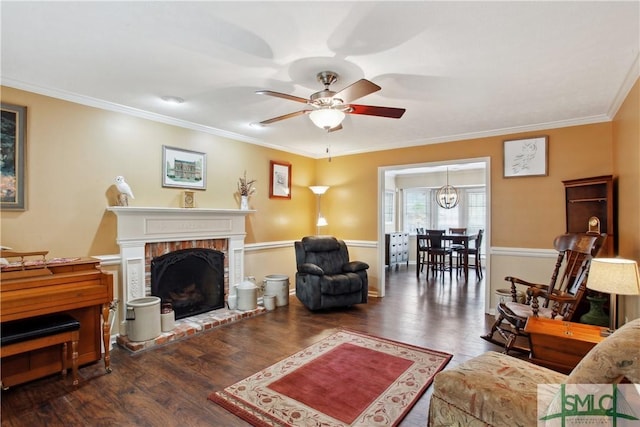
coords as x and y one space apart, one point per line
169 385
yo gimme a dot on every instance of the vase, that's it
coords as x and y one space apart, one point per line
244 203
596 314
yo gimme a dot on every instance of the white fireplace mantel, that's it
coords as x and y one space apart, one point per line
173 224
138 226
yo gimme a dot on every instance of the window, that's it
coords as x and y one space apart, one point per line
476 209
389 202
417 209
421 210
447 218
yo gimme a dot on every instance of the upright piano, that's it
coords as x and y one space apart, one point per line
75 286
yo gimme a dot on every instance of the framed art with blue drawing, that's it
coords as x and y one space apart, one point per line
526 157
12 161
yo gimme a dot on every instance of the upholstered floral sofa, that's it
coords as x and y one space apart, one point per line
495 389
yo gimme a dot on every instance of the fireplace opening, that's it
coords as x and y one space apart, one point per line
192 280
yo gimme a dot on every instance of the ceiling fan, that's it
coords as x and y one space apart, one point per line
328 108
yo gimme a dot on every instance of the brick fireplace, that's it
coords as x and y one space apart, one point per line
144 232
192 278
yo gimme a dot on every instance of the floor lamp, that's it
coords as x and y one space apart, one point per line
614 276
319 190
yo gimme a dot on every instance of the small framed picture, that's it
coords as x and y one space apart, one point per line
526 157
280 181
183 168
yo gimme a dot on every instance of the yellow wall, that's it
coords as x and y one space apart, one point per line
626 161
526 212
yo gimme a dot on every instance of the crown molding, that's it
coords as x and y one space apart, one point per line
119 108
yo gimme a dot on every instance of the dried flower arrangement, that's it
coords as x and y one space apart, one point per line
245 187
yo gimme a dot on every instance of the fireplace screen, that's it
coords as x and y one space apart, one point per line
192 280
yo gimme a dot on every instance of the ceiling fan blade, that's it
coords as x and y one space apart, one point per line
357 90
335 128
282 95
286 116
370 110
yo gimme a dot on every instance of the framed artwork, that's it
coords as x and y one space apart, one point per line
12 162
526 157
183 168
280 181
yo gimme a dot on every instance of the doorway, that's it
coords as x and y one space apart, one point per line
387 174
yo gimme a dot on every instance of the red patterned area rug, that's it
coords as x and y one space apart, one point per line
347 379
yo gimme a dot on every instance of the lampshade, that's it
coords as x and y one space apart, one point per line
614 276
326 118
319 189
322 221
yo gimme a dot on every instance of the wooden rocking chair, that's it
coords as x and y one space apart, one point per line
559 298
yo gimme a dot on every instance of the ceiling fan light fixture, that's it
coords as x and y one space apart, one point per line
328 108
326 118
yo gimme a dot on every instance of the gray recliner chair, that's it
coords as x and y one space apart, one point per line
325 277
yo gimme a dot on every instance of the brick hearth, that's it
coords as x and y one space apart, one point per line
190 326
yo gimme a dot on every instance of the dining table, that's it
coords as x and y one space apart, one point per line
454 238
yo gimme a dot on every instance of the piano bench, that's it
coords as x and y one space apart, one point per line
20 336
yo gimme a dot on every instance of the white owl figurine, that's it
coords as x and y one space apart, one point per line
124 189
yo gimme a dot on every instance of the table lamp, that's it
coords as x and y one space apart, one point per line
614 276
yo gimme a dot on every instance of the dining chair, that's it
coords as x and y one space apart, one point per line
421 250
457 246
437 251
457 230
474 253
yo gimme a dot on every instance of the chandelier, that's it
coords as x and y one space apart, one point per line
447 196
